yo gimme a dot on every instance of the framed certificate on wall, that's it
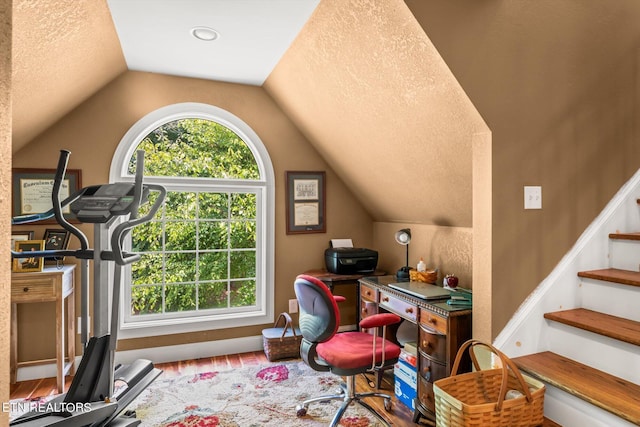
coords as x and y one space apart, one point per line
32 191
306 202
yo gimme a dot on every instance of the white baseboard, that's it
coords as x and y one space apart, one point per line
172 353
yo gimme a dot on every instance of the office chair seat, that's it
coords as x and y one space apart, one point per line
348 353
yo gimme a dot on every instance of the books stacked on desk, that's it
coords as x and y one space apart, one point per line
461 298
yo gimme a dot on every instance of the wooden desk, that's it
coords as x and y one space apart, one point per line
441 330
49 285
349 313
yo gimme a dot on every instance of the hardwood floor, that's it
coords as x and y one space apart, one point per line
401 416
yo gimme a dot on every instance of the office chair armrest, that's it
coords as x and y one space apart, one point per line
339 298
377 320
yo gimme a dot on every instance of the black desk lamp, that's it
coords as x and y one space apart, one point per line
403 237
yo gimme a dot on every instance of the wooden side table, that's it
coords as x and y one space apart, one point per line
50 285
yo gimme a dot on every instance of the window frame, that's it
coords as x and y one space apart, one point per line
264 187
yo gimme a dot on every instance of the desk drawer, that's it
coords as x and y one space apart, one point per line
368 293
401 308
433 343
33 289
433 321
426 395
367 308
431 370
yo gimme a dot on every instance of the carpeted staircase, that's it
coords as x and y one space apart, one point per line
608 342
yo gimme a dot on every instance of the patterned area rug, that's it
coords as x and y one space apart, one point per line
252 396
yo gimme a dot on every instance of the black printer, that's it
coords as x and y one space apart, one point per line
350 260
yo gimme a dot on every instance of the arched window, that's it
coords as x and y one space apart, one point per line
207 257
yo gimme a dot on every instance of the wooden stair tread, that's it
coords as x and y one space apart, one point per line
625 236
600 323
613 394
616 275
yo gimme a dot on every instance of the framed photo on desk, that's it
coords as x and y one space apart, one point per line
306 202
23 265
55 240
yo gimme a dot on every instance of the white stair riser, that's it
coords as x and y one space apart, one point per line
611 298
605 354
571 411
624 254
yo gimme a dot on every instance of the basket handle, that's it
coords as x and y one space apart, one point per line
288 323
506 365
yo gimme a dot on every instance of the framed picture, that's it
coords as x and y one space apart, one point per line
306 202
32 188
22 265
20 236
55 240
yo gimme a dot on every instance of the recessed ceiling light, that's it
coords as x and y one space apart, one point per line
204 33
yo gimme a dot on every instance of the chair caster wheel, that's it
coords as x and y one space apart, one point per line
388 404
301 411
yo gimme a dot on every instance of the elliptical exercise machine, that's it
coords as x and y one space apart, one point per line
92 399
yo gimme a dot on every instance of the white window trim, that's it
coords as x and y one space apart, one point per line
119 172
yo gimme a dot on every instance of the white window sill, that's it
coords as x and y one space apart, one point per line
194 324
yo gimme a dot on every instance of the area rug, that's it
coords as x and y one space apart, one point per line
251 396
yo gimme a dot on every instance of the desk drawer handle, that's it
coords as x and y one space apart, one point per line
385 299
25 289
409 310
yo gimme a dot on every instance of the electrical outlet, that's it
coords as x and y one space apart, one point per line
533 197
293 306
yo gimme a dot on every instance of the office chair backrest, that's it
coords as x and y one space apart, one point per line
319 315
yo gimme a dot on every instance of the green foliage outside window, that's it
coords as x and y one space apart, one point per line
199 253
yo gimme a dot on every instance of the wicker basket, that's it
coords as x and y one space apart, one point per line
477 398
428 276
282 342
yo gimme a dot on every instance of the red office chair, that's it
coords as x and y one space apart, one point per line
346 353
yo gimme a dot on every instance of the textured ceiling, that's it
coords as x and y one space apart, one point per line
361 80
63 52
66 50
371 92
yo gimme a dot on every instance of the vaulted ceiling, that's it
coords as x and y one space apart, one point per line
360 79
64 50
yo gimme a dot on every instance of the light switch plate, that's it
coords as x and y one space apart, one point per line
533 197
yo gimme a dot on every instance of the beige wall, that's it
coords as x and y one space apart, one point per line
93 130
557 83
5 185
449 249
